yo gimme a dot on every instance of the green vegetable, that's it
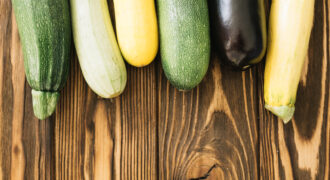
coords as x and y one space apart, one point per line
184 41
99 56
45 33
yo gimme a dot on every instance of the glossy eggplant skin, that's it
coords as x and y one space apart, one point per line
239 31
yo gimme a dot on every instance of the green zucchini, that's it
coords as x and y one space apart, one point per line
45 32
184 41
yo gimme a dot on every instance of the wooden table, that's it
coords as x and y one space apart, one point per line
220 130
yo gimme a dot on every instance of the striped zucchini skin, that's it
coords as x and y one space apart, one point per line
184 41
45 32
99 56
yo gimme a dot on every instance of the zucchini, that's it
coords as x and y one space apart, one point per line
239 31
184 41
290 28
45 32
137 30
99 56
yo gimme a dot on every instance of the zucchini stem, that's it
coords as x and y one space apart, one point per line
283 112
44 103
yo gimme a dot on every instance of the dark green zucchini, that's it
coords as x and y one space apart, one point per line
45 32
239 31
184 41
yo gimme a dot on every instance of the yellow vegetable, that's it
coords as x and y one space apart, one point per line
137 32
291 22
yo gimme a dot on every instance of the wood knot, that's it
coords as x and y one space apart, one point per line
16 150
204 168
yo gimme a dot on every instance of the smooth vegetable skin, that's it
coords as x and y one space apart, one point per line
239 31
184 41
290 28
45 32
137 30
100 60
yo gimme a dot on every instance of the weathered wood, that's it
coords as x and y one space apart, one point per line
219 130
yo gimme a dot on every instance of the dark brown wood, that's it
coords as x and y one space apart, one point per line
219 130
212 128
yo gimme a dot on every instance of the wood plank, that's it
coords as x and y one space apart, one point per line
73 115
5 101
139 138
212 130
25 143
107 139
300 149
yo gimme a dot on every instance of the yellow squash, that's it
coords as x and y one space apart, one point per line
290 27
137 32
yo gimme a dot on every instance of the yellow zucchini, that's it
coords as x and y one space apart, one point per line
137 32
290 27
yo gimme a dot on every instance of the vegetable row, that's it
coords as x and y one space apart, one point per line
182 30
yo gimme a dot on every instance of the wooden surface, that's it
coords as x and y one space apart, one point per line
220 130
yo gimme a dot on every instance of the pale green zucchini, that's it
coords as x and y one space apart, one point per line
99 56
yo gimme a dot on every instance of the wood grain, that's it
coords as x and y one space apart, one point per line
199 131
219 130
17 150
104 139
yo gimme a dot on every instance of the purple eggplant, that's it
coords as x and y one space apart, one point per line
239 31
